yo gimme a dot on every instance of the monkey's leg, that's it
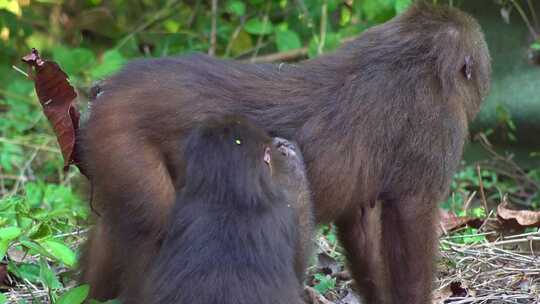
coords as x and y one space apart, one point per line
408 247
360 235
100 268
138 257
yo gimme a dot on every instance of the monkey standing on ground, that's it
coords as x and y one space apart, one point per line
381 124
235 231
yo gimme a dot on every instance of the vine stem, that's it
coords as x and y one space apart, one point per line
525 19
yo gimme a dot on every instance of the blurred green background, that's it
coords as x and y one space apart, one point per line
43 211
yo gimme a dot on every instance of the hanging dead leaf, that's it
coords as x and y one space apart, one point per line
525 218
56 95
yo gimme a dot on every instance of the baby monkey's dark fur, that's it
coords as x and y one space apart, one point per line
234 233
381 124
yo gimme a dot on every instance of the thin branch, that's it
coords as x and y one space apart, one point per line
166 11
525 19
260 39
482 193
213 33
16 68
324 17
533 13
286 56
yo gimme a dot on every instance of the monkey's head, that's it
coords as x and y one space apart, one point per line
232 158
454 45
431 51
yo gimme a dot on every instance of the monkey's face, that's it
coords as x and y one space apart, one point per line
285 163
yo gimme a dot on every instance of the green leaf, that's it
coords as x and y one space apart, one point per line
6 236
25 271
325 284
40 231
257 26
402 5
111 62
237 8
3 298
331 43
33 246
10 233
60 251
241 43
376 10
73 61
535 46
287 40
47 276
4 245
74 296
34 193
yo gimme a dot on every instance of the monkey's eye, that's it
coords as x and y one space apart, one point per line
467 67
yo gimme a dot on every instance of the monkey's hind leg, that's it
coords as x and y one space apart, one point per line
99 263
408 244
360 235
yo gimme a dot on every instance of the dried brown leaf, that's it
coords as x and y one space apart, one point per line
450 221
525 218
56 96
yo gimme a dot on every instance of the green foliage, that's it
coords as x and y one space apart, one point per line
40 212
75 296
90 40
325 283
468 236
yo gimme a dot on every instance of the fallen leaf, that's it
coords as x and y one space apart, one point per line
450 221
525 218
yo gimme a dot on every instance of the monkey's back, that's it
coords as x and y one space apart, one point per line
215 254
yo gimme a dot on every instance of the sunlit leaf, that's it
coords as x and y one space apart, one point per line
287 40
60 251
237 8
74 296
402 5
257 26
111 62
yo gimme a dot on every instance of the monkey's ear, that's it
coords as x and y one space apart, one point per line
467 67
267 156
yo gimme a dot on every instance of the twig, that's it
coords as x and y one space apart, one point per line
39 147
16 68
525 19
468 201
533 13
213 39
290 55
324 17
487 145
163 13
22 178
234 36
315 297
260 38
481 183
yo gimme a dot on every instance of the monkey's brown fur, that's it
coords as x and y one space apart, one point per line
381 124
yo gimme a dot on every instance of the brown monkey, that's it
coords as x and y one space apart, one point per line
381 124
234 232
